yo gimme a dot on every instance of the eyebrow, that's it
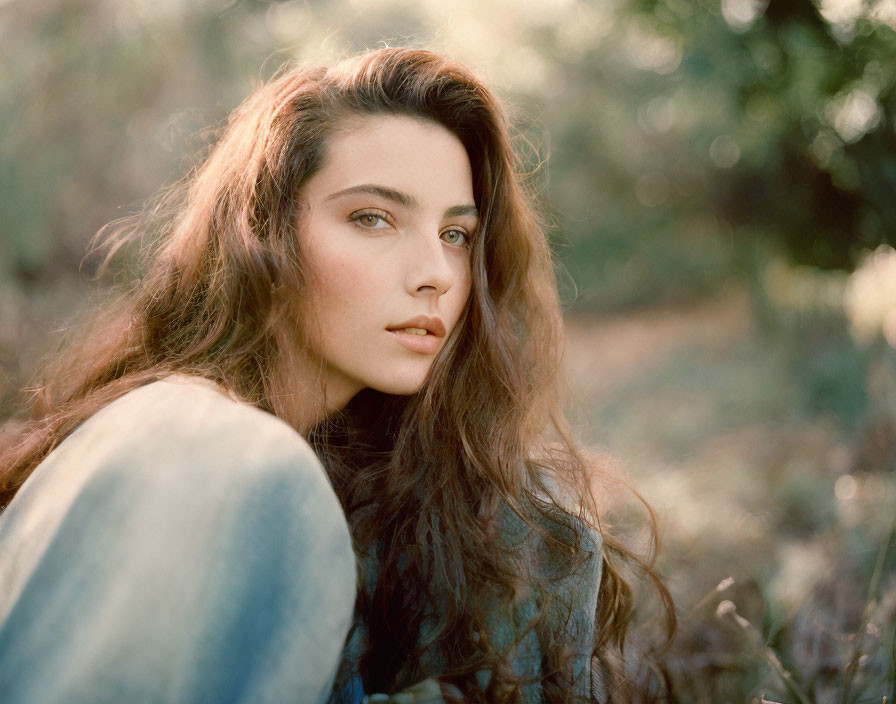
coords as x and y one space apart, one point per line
402 198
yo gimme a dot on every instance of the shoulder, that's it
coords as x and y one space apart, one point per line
172 438
556 547
160 461
186 427
173 517
559 548
548 520
184 418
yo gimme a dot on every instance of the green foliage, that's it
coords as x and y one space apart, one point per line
677 128
93 114
799 139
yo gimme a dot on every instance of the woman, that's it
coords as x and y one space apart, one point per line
357 266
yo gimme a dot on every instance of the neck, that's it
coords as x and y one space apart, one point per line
312 407
310 392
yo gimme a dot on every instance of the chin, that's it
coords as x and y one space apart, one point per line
405 385
399 389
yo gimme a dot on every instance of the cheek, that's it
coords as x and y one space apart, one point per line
464 287
340 280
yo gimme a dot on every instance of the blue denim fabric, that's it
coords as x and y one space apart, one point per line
178 547
352 692
579 589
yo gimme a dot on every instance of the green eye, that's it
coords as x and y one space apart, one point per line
456 237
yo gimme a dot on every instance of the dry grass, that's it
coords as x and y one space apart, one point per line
776 495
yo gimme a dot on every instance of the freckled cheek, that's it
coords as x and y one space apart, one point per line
345 282
463 288
466 278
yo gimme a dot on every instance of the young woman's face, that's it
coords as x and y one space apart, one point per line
385 236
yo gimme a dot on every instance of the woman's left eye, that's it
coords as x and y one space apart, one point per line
456 237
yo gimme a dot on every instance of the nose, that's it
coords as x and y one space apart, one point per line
429 269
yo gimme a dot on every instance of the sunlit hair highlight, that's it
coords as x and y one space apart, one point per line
423 479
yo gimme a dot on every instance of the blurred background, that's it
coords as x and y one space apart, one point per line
720 176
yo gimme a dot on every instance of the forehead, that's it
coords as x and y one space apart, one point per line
417 156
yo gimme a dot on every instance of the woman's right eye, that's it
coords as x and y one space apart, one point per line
370 219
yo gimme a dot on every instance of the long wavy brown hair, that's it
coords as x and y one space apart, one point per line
422 478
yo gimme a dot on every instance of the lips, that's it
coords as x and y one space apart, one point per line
422 334
429 326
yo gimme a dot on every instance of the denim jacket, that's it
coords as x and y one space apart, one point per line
580 589
177 548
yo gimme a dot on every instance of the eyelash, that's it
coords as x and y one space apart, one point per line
359 215
468 239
